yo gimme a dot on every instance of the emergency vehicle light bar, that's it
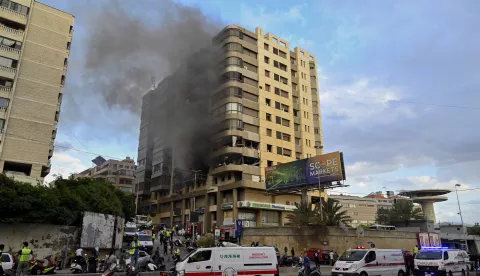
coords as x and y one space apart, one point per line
435 247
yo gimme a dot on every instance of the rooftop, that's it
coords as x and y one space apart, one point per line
424 192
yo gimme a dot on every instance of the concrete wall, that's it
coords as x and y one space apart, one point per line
44 239
331 238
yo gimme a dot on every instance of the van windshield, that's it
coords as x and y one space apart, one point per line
144 238
429 255
353 255
130 229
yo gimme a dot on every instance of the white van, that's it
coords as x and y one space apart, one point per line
145 240
431 261
229 261
373 261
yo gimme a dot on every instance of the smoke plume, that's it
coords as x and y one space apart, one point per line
127 54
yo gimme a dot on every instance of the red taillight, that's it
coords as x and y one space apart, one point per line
278 271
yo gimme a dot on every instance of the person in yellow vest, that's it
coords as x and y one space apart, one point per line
134 248
168 235
415 250
25 255
153 237
2 246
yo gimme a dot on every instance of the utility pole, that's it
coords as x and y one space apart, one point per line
464 229
320 196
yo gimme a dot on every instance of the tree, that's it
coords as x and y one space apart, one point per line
303 215
333 215
61 203
402 211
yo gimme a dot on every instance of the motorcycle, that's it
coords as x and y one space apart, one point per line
190 249
131 271
39 266
112 269
79 265
313 272
178 243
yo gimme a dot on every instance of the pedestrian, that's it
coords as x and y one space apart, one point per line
134 248
415 250
332 258
153 237
293 252
306 264
252 244
79 252
2 246
409 263
285 250
256 244
112 259
25 256
165 249
316 256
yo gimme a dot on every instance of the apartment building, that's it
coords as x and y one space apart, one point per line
35 41
363 210
120 173
266 111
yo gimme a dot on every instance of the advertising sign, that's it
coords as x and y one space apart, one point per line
238 228
306 172
434 239
423 240
227 206
265 206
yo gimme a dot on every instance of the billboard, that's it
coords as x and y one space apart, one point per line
429 239
325 168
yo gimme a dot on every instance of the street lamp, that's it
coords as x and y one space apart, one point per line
461 217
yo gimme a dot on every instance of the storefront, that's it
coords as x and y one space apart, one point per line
270 214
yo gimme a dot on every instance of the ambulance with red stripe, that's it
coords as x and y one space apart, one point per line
229 261
441 261
372 261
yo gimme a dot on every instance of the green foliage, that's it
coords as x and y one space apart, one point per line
332 212
474 230
206 241
61 203
403 211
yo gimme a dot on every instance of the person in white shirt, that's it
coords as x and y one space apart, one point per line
79 252
332 261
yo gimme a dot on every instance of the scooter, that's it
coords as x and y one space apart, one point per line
79 265
190 249
39 267
131 271
112 269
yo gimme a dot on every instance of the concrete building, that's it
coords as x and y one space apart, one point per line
363 210
268 112
426 198
35 41
121 173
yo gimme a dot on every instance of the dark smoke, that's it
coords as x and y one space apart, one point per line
125 53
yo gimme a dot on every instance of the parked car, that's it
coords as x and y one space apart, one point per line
324 254
7 261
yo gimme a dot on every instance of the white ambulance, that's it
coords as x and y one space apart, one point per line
433 261
371 261
229 261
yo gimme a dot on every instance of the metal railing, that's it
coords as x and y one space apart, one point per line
5 88
11 30
9 49
13 12
8 69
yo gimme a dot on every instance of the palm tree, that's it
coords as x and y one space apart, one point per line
333 215
404 211
303 215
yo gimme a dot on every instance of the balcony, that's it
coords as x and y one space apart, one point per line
13 15
248 169
3 112
9 52
11 33
160 187
236 150
7 72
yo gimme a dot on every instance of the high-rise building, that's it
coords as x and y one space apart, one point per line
266 111
35 41
119 173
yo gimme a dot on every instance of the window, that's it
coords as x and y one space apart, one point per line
276 77
316 130
286 137
296 126
10 43
284 80
278 120
233 76
68 45
268 101
269 132
277 105
279 150
286 122
4 103
267 87
233 61
236 47
287 152
275 51
269 163
265 46
269 117
267 60
228 108
297 141
279 135
295 113
5 258
7 62
267 73
269 148
201 256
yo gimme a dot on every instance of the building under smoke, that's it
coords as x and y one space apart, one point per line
231 110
